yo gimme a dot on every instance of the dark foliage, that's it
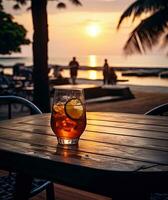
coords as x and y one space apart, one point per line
12 35
40 48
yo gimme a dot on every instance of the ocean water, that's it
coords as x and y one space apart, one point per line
132 80
92 60
97 60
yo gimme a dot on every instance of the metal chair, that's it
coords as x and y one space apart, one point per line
7 183
161 110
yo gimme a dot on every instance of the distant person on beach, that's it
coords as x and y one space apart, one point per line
74 65
105 72
57 71
112 77
109 75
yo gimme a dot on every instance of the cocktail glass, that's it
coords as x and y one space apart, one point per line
68 117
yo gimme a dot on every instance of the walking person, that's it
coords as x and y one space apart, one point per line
105 72
74 65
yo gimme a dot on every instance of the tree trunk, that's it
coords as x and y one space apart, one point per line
40 55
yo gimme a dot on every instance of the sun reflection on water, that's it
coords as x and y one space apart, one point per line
92 75
92 60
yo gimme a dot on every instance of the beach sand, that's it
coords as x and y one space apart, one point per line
146 98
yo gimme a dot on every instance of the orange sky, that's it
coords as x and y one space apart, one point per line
68 29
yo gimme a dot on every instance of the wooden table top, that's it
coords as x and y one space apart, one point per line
117 151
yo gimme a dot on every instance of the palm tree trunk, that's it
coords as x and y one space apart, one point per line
40 54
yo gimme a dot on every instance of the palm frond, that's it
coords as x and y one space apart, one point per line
29 8
22 2
16 6
142 6
165 41
147 33
61 5
76 2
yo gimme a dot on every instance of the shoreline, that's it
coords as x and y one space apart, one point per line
97 68
139 88
139 76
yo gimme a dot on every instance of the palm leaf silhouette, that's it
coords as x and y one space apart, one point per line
149 31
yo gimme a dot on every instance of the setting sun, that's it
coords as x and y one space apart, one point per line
93 30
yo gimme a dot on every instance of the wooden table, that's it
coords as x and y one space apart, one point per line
119 155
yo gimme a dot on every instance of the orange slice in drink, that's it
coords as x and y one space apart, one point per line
74 108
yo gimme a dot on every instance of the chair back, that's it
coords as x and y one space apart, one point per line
159 110
9 100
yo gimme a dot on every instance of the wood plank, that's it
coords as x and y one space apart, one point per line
96 129
114 150
129 118
105 116
128 132
124 140
111 127
129 115
70 157
108 123
69 193
41 121
128 125
21 119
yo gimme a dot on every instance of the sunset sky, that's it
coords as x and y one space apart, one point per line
69 28
81 31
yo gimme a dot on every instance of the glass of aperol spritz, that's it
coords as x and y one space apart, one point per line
68 117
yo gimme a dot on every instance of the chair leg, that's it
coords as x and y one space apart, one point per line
22 191
50 192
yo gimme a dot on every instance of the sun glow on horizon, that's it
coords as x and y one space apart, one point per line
93 30
92 60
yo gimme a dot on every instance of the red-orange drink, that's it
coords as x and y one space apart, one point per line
68 121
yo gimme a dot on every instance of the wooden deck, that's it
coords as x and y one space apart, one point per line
67 193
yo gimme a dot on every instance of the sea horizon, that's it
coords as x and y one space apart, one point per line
97 61
145 61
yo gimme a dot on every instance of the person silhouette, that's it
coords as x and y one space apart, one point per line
105 72
112 77
74 65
